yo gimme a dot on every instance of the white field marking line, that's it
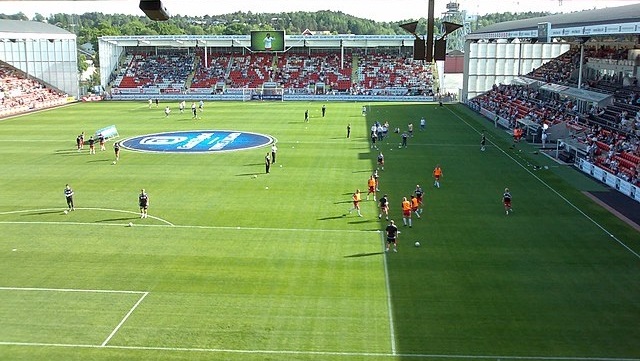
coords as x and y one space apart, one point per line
17 140
87 209
129 212
392 331
115 330
190 227
315 353
67 290
409 145
553 190
41 110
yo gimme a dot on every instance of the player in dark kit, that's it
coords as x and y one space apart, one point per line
324 110
384 207
392 236
68 194
419 193
92 145
506 200
267 163
116 150
143 202
381 161
483 142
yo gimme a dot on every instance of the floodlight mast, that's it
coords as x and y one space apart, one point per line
154 10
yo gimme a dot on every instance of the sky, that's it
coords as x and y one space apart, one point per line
378 10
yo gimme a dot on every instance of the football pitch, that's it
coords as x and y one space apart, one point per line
236 264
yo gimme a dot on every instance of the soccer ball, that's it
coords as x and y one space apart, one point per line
114 162
130 224
417 244
65 211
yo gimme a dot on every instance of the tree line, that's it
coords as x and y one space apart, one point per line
88 27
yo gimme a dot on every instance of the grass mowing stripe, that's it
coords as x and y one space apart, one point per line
636 254
321 353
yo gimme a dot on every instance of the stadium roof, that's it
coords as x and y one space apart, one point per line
16 29
610 21
310 41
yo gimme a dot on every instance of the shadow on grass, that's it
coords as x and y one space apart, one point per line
248 174
41 213
344 202
116 219
72 153
362 221
99 161
67 151
332 217
364 254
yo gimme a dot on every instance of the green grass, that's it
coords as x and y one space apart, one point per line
227 269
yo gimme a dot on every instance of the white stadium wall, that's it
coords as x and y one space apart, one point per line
489 63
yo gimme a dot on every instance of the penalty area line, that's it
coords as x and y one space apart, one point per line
124 319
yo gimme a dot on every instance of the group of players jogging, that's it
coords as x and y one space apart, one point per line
409 206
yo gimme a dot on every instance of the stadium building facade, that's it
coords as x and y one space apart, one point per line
500 53
41 51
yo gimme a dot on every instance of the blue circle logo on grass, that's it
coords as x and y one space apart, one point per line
197 141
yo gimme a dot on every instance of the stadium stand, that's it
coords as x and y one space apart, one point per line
20 93
166 72
610 135
377 73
